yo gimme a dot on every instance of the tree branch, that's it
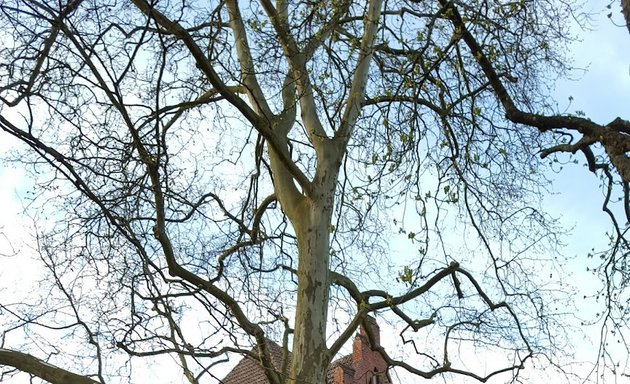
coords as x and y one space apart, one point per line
261 123
297 63
45 371
248 74
359 80
614 136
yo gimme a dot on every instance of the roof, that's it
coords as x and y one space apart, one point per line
346 360
249 371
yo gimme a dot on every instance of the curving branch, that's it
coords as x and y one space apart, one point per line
248 73
45 371
359 81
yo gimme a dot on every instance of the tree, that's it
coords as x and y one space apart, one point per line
246 162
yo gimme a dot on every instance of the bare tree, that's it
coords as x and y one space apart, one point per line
243 166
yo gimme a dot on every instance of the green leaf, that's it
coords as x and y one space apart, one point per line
407 275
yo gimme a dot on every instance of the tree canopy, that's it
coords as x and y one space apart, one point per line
211 175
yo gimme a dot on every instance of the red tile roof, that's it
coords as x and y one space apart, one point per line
356 367
250 371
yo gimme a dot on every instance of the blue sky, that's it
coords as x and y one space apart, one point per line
602 93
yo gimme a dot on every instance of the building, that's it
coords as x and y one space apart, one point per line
363 366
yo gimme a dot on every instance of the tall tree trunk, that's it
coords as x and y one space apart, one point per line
310 214
310 354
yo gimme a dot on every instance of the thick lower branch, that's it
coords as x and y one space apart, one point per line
45 371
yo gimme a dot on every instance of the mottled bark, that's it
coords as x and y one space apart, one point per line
310 354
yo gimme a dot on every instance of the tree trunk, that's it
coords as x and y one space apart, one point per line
310 215
310 354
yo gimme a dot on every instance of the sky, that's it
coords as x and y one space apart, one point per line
602 92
